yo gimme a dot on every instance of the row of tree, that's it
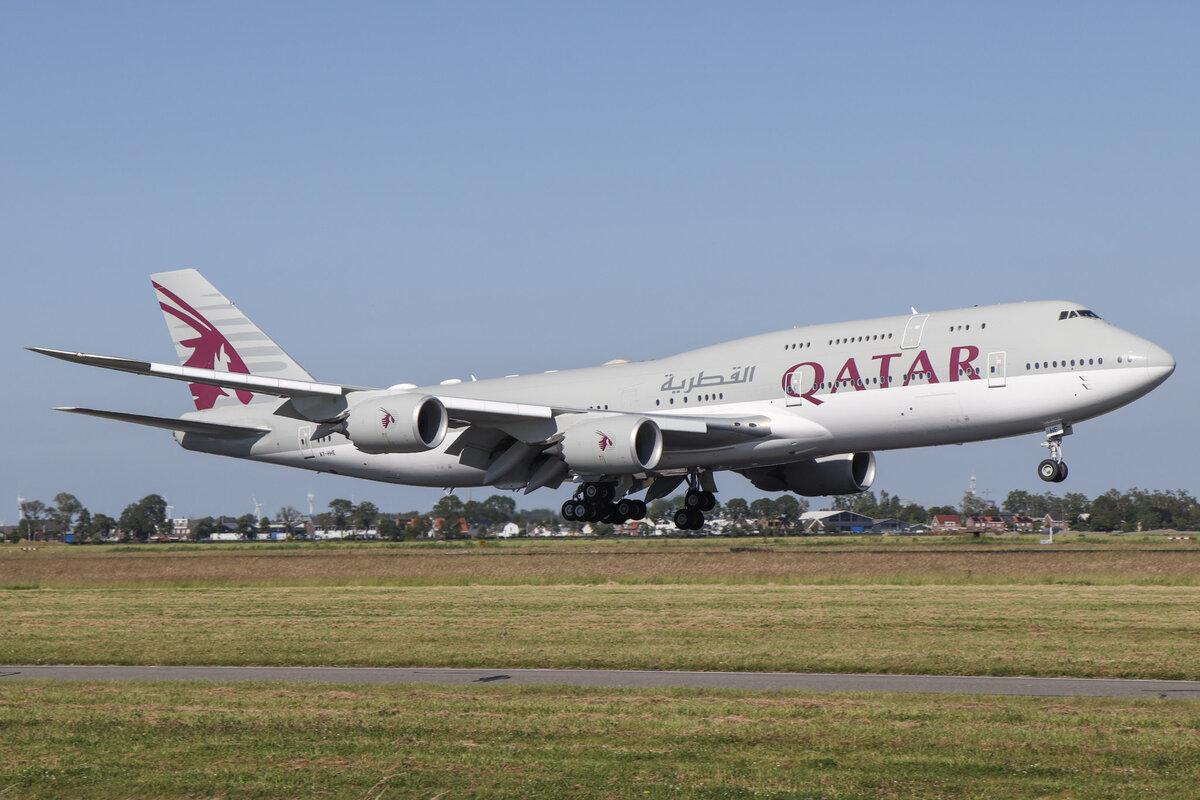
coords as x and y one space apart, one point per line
1135 509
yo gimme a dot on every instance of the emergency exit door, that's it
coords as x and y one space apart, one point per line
996 369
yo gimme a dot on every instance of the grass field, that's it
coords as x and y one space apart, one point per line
1099 607
1111 560
1086 631
375 742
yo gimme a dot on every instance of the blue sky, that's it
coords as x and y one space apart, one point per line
412 192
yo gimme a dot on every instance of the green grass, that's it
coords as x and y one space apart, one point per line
1117 607
1096 631
103 740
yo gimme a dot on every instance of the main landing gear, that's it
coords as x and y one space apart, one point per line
594 502
1054 469
697 501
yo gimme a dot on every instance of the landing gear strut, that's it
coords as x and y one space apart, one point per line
1054 469
593 502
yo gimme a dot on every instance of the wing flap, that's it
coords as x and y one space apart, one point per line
217 429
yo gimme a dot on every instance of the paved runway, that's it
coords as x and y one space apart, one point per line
758 681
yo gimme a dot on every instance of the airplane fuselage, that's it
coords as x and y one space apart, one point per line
894 382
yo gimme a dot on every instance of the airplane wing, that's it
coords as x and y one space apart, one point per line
172 424
462 411
492 413
279 387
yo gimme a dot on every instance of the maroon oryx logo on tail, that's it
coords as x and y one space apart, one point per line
210 350
605 442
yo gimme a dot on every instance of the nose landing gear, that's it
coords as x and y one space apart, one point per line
1054 469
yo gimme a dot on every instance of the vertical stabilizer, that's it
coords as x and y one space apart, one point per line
210 332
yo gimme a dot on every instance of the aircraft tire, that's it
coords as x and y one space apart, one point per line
1048 470
639 510
568 511
1062 472
708 501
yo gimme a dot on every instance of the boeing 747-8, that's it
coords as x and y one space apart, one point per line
799 410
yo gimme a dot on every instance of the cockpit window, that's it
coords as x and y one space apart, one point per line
1082 312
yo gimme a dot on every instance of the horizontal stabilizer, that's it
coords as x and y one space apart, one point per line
172 424
278 387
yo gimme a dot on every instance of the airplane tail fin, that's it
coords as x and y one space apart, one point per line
210 332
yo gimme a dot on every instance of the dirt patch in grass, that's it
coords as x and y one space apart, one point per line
680 564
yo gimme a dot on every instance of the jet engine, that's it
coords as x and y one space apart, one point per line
848 473
613 445
397 423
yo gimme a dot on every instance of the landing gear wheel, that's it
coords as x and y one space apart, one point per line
625 509
602 492
689 519
568 511
700 500
1054 469
638 511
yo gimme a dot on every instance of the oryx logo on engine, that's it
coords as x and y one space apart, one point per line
388 419
605 441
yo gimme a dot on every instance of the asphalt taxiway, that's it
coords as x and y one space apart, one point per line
754 681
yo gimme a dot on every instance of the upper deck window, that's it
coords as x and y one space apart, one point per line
1082 312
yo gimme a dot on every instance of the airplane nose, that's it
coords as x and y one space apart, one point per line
1160 360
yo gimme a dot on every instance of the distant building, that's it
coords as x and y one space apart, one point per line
1017 522
889 526
835 522
946 522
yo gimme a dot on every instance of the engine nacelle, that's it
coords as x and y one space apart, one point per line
849 473
618 445
397 423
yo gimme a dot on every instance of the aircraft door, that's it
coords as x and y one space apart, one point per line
996 369
799 383
913 331
305 434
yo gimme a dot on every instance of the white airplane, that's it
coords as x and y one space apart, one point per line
800 410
